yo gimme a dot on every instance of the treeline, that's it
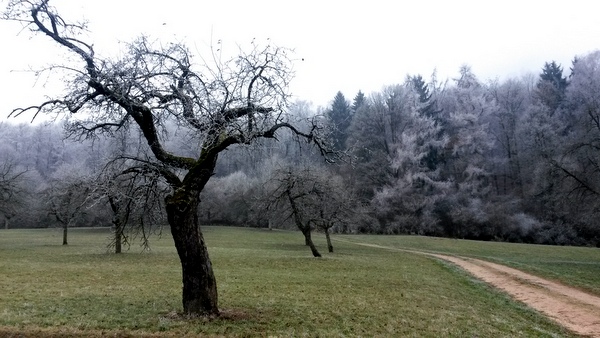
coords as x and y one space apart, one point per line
50 180
515 160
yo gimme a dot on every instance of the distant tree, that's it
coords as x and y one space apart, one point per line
428 108
404 204
467 78
12 189
577 162
229 200
374 135
468 159
511 102
340 116
134 193
151 87
313 198
68 196
333 204
552 86
288 195
359 101
428 104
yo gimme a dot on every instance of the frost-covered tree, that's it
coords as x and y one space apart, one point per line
406 201
577 164
510 103
374 135
467 157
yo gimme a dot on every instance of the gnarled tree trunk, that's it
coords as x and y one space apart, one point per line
308 241
199 283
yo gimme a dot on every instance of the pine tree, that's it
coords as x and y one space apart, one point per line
359 101
340 117
552 86
427 109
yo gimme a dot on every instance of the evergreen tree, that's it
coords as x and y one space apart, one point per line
340 117
427 108
551 86
359 101
425 99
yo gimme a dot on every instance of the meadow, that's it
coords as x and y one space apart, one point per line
269 285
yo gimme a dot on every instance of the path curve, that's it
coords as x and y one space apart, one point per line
574 309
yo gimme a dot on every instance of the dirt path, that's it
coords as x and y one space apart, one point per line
574 309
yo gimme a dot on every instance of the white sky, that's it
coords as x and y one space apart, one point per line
346 45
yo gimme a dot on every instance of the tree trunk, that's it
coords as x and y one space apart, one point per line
115 206
328 237
118 236
199 284
308 241
307 237
65 230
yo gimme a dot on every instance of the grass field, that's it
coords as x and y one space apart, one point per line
269 285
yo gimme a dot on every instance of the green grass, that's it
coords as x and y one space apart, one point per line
575 266
269 285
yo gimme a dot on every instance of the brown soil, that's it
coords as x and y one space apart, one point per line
574 309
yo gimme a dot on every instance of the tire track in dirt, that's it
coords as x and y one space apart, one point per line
574 309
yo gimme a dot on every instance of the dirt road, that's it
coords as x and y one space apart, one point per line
574 309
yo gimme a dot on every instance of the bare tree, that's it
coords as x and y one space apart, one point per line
313 198
135 195
220 104
12 190
334 206
289 197
69 195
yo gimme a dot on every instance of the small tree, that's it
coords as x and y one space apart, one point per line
68 195
135 196
66 203
12 190
287 194
313 198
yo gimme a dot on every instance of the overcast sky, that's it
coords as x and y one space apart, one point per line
346 46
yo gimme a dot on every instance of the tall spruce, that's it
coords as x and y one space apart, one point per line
358 102
339 117
427 108
552 86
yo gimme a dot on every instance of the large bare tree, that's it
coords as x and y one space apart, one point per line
218 103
